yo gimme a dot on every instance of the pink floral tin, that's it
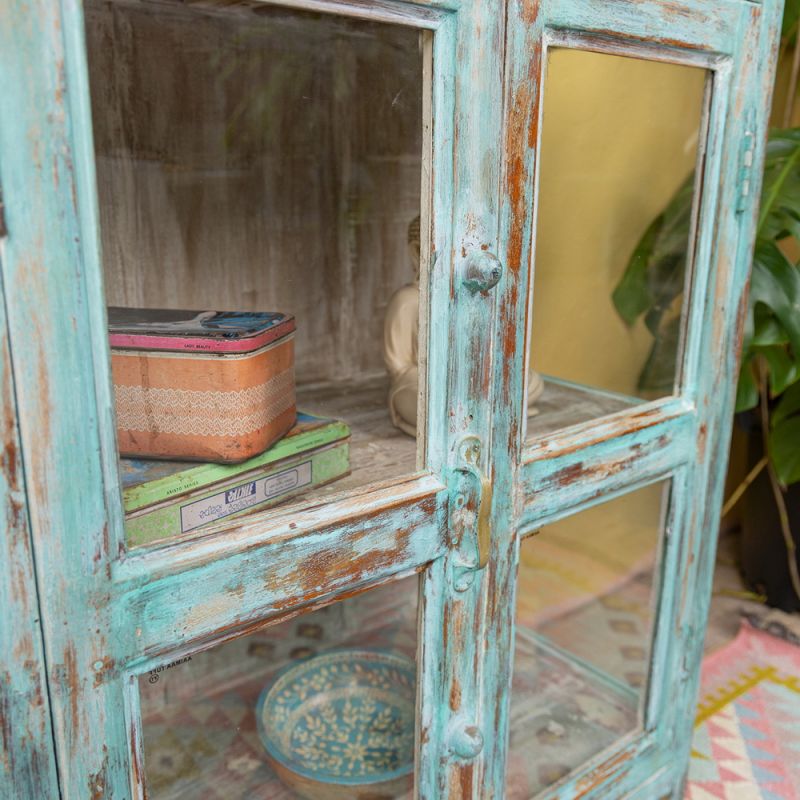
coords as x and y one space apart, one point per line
201 385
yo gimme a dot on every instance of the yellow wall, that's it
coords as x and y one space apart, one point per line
619 137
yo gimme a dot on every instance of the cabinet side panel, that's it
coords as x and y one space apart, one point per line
27 762
56 329
714 375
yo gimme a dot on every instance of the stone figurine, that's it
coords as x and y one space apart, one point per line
400 344
400 347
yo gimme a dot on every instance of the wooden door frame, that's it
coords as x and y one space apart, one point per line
107 615
684 437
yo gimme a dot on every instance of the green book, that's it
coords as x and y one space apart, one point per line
163 499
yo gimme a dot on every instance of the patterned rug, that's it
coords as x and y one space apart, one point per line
747 738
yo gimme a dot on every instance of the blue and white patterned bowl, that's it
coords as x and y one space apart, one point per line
340 726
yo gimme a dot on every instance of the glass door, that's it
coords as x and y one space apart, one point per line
263 502
631 186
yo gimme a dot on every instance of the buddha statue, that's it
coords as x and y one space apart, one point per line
400 343
400 347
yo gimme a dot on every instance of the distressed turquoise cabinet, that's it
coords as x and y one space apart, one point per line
254 154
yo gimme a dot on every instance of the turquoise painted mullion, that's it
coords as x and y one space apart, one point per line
27 765
161 614
97 346
708 25
716 370
523 84
52 335
438 191
671 567
419 13
554 487
619 771
455 628
53 345
586 434
712 174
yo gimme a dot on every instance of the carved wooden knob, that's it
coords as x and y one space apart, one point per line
482 271
465 738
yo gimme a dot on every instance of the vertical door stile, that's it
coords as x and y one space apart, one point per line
739 52
54 319
454 724
27 766
520 136
717 367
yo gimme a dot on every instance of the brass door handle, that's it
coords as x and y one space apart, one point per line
470 464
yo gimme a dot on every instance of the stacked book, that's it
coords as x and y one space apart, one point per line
165 499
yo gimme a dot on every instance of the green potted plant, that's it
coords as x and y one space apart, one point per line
768 393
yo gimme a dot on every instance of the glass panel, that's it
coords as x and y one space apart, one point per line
324 702
619 144
253 158
585 614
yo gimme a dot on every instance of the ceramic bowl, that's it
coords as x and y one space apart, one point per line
340 726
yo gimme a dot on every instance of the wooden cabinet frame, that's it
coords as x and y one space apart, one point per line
108 615
686 436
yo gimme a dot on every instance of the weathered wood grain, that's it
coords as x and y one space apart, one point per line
282 175
107 614
54 306
716 365
687 24
454 732
27 759
189 593
596 459
563 405
559 484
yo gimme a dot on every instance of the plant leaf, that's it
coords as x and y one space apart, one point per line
791 14
780 195
746 389
631 296
788 406
783 369
658 373
784 448
654 276
767 331
776 283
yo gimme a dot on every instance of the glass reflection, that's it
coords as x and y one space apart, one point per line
254 157
203 717
620 138
585 614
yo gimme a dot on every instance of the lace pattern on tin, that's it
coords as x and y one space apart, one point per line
191 412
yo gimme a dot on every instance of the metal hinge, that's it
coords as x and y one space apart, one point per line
745 182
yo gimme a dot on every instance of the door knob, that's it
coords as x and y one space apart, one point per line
482 271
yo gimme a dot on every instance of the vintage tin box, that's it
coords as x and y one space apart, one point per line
201 385
164 499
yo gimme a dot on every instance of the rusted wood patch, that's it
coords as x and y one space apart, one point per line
632 421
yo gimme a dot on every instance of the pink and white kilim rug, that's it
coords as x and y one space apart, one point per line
746 742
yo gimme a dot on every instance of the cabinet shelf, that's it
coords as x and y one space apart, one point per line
378 450
378 453
563 404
